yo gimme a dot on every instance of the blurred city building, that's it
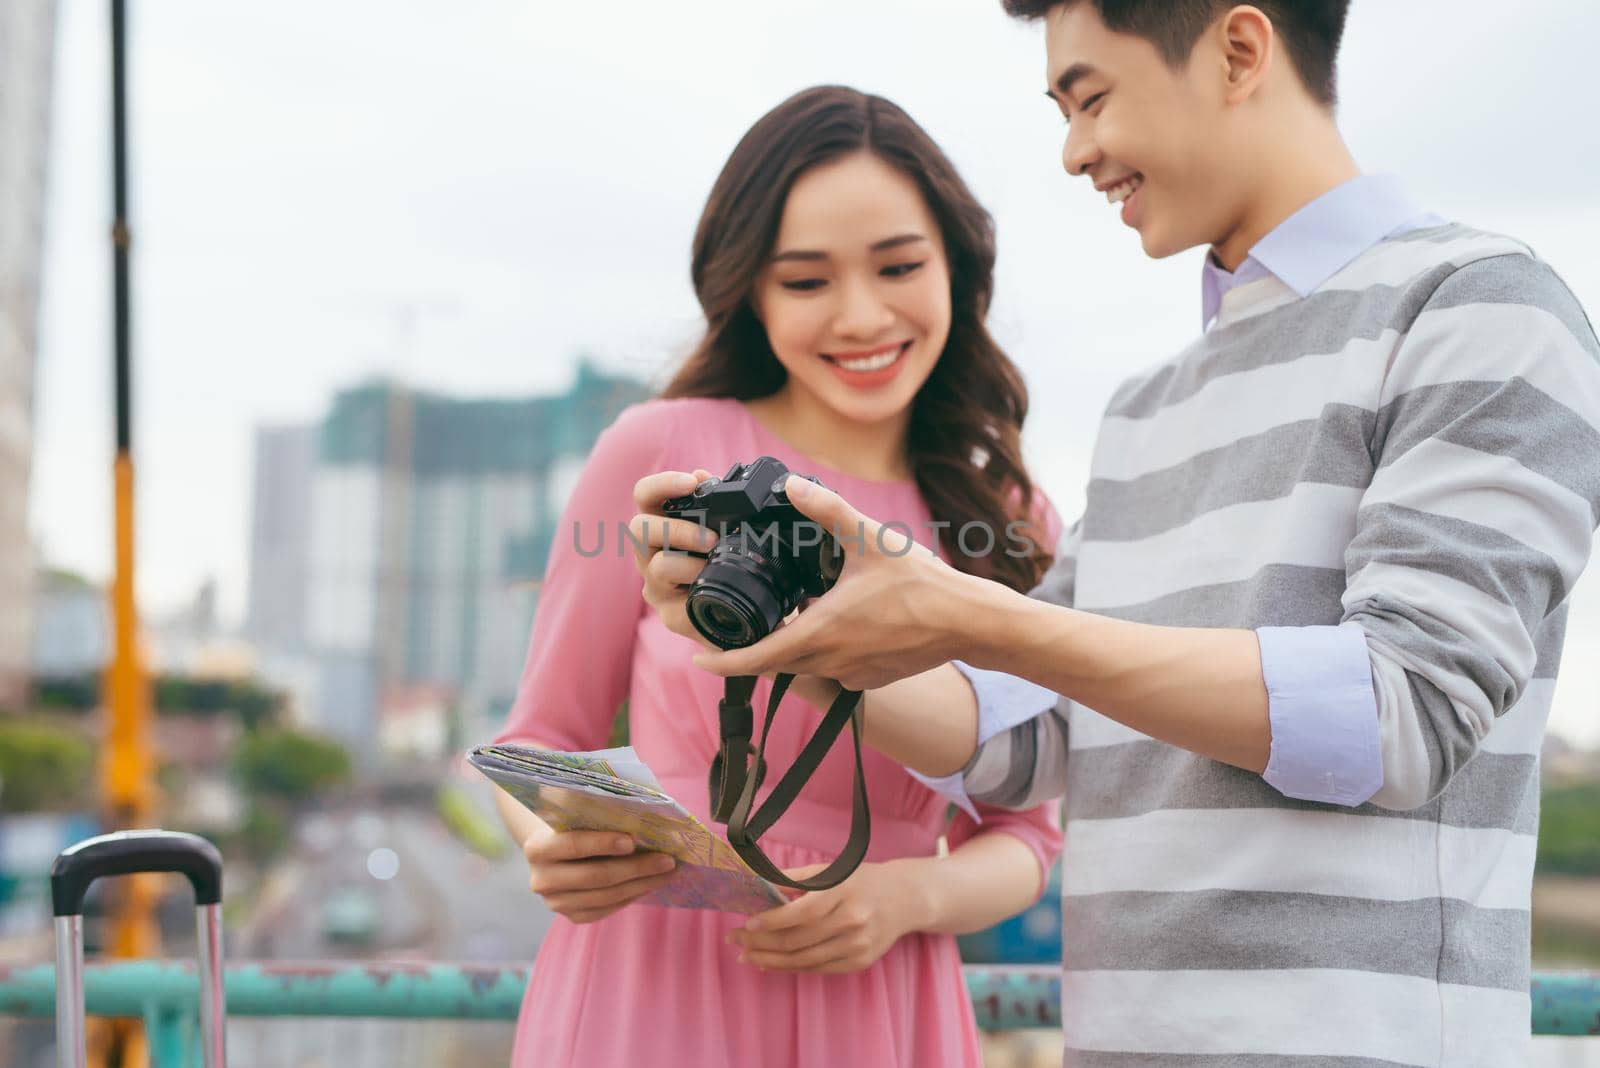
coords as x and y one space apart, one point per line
396 549
27 40
71 625
192 641
280 518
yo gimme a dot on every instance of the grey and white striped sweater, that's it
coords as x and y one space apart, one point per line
1413 449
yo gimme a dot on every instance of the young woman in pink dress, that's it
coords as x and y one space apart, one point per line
845 272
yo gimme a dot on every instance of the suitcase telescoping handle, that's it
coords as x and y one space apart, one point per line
127 853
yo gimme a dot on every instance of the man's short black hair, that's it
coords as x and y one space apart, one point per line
1310 29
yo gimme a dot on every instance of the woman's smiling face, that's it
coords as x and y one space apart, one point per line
855 297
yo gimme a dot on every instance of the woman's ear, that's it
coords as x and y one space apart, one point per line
1248 42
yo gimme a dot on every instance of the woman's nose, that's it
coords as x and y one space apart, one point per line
863 314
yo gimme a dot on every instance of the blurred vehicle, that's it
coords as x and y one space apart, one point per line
350 916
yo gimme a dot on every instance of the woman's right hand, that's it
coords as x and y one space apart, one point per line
667 575
587 875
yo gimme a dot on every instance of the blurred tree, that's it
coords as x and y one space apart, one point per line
1569 829
265 832
67 693
255 705
43 765
289 765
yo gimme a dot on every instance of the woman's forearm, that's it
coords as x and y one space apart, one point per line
519 820
988 878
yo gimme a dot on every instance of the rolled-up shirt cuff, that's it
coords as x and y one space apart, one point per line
1323 712
1004 701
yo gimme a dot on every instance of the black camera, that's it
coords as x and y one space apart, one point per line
768 555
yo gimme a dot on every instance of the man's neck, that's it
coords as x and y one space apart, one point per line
1306 161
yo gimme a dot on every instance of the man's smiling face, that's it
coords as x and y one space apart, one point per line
1151 138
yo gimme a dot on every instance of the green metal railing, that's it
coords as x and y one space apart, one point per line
165 995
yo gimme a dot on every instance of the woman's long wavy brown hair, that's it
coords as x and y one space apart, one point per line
964 442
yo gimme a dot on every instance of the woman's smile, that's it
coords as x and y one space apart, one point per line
870 368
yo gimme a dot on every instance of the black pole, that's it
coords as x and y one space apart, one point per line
121 237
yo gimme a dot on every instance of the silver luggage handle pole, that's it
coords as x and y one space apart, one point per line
129 853
71 1051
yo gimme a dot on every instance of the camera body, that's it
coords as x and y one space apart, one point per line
767 559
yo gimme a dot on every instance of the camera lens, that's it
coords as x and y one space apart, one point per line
725 621
723 618
740 595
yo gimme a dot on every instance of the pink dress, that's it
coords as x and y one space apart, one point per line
658 986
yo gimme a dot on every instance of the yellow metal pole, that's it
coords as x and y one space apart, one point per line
127 774
128 765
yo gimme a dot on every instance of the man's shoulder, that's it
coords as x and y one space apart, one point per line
1417 262
1453 265
1387 287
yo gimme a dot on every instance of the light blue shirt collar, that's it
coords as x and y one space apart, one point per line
1313 244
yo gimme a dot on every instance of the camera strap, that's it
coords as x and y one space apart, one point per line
735 779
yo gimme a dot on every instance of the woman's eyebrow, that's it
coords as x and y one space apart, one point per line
895 242
877 246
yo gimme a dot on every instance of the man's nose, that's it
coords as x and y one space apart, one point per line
1081 151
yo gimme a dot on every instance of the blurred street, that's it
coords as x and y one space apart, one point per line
442 901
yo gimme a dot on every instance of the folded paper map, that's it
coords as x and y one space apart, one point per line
613 790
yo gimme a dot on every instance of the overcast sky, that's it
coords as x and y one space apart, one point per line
465 195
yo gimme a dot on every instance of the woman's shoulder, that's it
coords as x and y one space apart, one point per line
680 429
661 415
669 434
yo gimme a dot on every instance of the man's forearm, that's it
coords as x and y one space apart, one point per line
1199 689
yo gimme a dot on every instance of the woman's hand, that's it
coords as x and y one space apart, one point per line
662 548
588 875
844 929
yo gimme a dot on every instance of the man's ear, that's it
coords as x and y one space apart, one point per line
1249 45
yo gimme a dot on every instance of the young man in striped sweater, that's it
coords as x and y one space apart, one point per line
1307 629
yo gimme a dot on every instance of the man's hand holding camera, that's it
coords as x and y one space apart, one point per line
908 593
